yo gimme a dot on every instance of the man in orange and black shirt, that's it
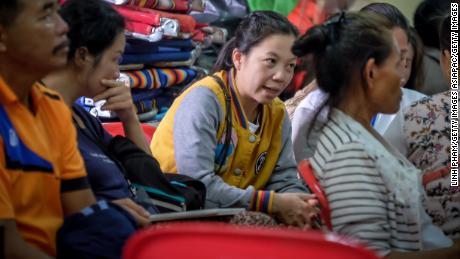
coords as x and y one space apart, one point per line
42 176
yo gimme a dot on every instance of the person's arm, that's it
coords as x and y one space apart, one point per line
74 201
291 203
197 121
119 100
356 195
285 177
395 134
14 245
358 203
301 122
140 215
75 189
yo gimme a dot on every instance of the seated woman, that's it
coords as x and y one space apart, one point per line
374 193
304 114
96 43
256 168
426 143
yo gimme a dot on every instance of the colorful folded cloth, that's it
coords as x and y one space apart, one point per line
154 78
164 64
139 95
139 46
198 5
221 11
177 6
132 48
145 106
131 67
218 35
180 63
141 28
152 17
139 15
161 114
155 36
172 5
169 27
147 116
198 35
184 35
156 57
117 2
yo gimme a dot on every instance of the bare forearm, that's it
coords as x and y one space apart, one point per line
15 246
73 202
134 132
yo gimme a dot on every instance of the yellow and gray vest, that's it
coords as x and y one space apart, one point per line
191 135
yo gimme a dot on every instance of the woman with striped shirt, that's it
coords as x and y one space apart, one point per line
374 193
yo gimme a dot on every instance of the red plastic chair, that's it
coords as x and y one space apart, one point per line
307 173
214 240
116 128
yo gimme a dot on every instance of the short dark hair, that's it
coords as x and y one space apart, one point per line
444 34
252 30
417 75
390 12
428 18
93 24
9 10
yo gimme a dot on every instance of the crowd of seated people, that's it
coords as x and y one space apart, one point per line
379 149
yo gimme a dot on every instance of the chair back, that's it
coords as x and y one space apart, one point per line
116 128
307 173
218 240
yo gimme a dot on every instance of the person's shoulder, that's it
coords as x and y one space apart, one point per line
441 98
277 104
412 95
48 93
429 103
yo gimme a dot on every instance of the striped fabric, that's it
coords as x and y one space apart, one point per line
262 201
154 78
144 106
364 184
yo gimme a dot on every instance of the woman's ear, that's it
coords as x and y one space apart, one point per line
237 58
81 57
369 73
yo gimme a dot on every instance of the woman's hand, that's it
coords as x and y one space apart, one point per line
119 100
140 215
295 209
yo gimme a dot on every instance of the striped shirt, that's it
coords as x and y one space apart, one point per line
374 195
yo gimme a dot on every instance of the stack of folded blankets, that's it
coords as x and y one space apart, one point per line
163 43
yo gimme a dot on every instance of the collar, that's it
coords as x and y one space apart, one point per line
235 97
7 96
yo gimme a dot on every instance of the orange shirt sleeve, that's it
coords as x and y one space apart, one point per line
6 205
73 172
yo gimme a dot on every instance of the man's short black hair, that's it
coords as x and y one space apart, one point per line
428 18
9 10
